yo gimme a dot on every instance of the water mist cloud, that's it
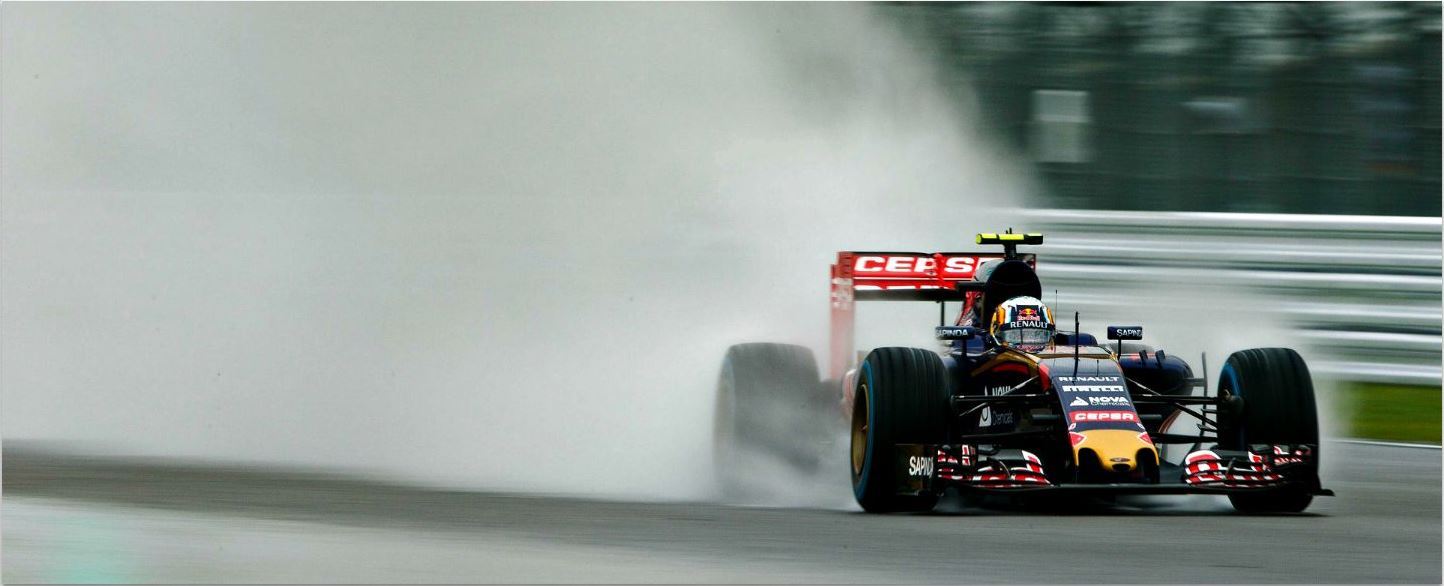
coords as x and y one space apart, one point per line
491 245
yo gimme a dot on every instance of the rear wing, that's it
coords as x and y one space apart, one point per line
901 276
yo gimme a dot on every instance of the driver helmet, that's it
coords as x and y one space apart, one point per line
1023 323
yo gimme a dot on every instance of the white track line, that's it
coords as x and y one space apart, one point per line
1390 444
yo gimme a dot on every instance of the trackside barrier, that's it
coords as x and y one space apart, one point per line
1362 292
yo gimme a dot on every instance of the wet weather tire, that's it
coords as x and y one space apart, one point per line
1278 408
901 397
769 405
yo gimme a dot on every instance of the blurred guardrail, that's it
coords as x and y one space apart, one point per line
1363 292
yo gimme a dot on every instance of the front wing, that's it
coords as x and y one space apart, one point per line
934 468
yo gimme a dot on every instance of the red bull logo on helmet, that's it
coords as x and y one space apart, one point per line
1028 316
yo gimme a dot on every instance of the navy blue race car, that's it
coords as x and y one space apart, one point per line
1010 404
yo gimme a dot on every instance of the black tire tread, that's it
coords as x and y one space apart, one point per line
911 400
1279 407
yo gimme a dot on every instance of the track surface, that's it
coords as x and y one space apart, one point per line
71 519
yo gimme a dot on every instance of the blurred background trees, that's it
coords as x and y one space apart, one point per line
1248 107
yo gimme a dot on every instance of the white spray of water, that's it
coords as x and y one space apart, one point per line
489 245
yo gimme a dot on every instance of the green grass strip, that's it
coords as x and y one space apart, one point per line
1392 412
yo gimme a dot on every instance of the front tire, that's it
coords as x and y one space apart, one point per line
1278 408
901 397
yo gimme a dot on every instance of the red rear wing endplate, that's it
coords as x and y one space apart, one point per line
895 276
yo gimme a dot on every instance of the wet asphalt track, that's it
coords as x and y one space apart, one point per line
69 519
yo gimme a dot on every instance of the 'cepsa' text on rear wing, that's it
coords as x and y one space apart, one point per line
897 276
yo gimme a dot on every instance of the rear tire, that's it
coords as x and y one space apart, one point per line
768 406
1278 408
901 397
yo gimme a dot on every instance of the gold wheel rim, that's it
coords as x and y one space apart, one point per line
859 430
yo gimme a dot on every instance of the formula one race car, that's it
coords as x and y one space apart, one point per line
1011 405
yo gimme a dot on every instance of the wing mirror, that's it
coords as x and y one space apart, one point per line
1121 333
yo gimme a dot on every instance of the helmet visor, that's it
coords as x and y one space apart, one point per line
1028 339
